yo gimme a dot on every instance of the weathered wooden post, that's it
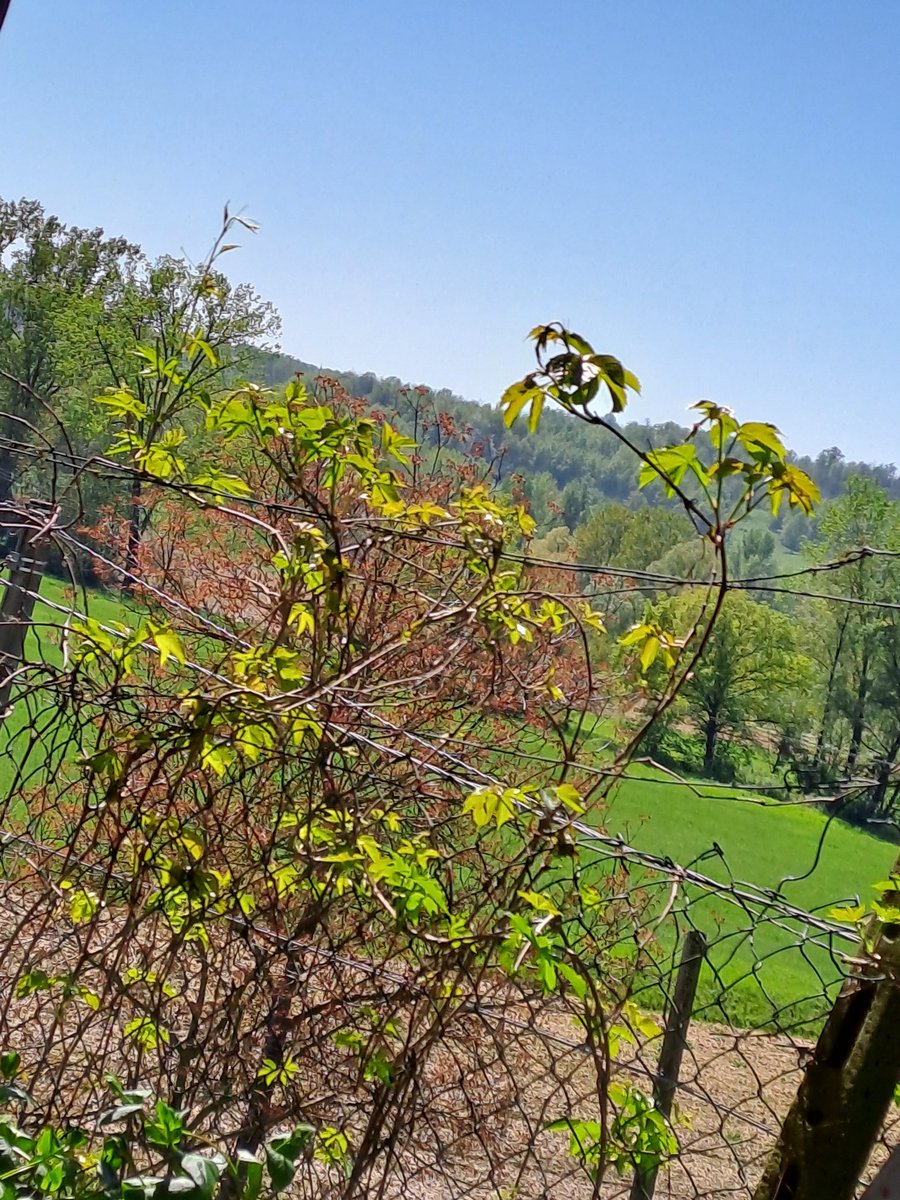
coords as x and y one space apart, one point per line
26 567
677 1019
840 1106
886 1184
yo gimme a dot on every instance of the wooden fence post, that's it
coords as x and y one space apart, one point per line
840 1106
677 1019
886 1184
26 566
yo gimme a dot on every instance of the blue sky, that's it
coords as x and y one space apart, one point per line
708 188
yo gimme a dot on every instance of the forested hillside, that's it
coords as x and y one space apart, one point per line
560 467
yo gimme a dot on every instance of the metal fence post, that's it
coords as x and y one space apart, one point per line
26 566
677 1019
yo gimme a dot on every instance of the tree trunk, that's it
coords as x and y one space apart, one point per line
7 474
711 733
10 523
829 691
859 715
135 534
882 779
841 1104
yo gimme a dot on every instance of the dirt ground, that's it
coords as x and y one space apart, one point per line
475 1115
735 1087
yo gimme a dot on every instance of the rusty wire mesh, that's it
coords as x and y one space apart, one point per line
442 1071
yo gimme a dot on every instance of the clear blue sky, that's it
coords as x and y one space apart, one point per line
709 189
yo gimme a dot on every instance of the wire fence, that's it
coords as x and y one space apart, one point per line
243 869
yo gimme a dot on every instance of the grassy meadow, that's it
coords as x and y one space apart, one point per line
791 848
34 736
759 971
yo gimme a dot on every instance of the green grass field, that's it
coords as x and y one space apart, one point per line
793 848
32 738
757 968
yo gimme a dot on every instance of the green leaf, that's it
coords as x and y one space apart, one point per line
669 466
168 644
83 904
534 416
166 1126
546 971
761 441
218 756
539 902
124 403
302 618
888 913
204 1171
146 1032
490 804
250 1173
196 343
802 490
649 651
121 1112
222 484
851 914
254 740
10 1061
282 1153
569 796
516 397
333 1148
575 979
141 1187
35 981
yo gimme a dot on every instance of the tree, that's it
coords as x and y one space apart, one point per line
557 544
306 862
544 500
751 671
178 332
576 499
599 537
793 531
755 553
864 517
57 284
618 536
265 755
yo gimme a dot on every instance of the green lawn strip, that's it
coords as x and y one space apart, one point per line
762 968
759 972
37 738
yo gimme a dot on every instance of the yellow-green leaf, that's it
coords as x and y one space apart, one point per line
516 397
540 903
489 804
82 905
761 440
168 643
852 914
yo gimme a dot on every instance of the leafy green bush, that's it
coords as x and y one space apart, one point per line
137 1150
